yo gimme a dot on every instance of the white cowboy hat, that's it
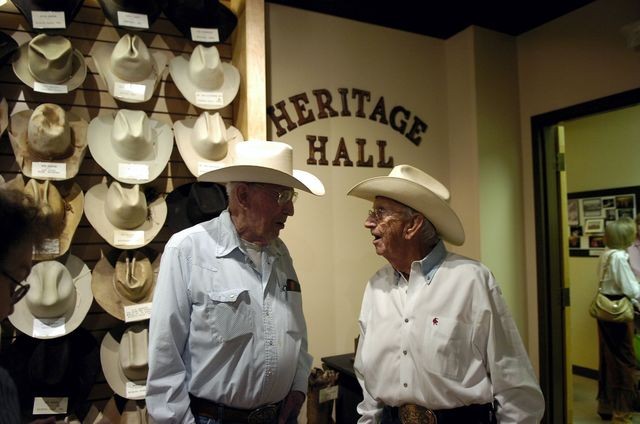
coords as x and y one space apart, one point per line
203 77
130 137
124 354
114 208
205 143
129 62
265 162
50 59
420 191
48 134
56 290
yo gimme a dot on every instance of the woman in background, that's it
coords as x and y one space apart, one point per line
634 251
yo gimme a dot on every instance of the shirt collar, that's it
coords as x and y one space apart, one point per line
430 263
230 240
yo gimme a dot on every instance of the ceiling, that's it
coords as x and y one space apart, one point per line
444 18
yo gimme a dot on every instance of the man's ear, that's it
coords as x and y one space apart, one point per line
242 194
413 226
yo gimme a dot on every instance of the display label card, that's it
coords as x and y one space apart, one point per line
50 405
48 247
134 20
48 19
139 312
133 171
128 91
48 170
128 238
205 35
48 327
135 391
328 393
3 2
209 98
204 167
50 88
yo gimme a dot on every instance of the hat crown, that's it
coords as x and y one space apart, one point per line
133 352
410 173
133 277
48 133
130 59
131 135
205 68
50 203
209 137
52 292
50 58
125 209
267 154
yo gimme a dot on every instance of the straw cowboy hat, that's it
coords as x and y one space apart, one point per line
209 14
202 75
58 290
205 142
130 137
129 62
129 280
50 59
193 203
48 134
265 162
420 191
111 8
113 208
70 9
124 354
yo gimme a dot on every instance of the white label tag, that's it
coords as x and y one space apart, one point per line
3 2
48 327
50 88
135 20
135 391
205 35
50 405
328 393
209 98
204 167
133 171
48 247
128 238
129 91
47 19
48 170
137 312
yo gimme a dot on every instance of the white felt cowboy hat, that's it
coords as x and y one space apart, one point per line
113 210
420 191
203 79
50 59
265 162
130 138
205 143
124 354
57 290
129 62
48 134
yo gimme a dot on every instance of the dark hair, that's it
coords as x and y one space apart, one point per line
20 220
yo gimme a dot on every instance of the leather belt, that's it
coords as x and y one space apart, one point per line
267 414
416 414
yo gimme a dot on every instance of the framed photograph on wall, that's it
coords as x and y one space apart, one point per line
592 208
573 211
594 225
608 202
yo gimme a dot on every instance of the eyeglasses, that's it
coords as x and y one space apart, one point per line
378 214
284 196
20 290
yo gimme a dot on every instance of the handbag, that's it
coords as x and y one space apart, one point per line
605 309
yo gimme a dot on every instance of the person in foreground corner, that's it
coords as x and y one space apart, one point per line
227 338
437 341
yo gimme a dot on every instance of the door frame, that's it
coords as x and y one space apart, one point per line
549 244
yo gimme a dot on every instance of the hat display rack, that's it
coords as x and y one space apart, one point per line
110 111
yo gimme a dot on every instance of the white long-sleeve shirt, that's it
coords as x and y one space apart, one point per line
616 276
443 339
220 329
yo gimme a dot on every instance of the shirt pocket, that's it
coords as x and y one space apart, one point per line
229 314
295 318
447 346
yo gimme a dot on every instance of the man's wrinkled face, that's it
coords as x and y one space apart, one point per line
387 221
269 207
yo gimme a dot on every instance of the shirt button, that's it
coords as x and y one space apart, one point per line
406 320
405 385
404 352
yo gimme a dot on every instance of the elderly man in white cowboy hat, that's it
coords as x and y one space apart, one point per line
227 338
437 342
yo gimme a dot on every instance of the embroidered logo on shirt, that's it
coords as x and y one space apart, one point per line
435 321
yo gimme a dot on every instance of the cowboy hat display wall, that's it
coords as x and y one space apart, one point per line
128 280
205 142
130 71
50 59
265 162
131 14
420 191
123 216
7 46
48 142
202 21
65 11
203 79
58 299
193 203
131 147
124 354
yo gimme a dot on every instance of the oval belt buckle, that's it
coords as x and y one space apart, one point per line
263 415
415 414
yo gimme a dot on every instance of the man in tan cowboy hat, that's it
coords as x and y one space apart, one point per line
227 336
437 341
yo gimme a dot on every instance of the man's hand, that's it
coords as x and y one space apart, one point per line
291 407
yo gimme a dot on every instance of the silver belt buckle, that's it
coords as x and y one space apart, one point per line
264 415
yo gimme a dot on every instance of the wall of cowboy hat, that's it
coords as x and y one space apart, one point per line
93 96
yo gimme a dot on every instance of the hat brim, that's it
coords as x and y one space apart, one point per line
21 68
110 360
102 150
416 196
22 318
185 16
179 70
18 134
94 210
